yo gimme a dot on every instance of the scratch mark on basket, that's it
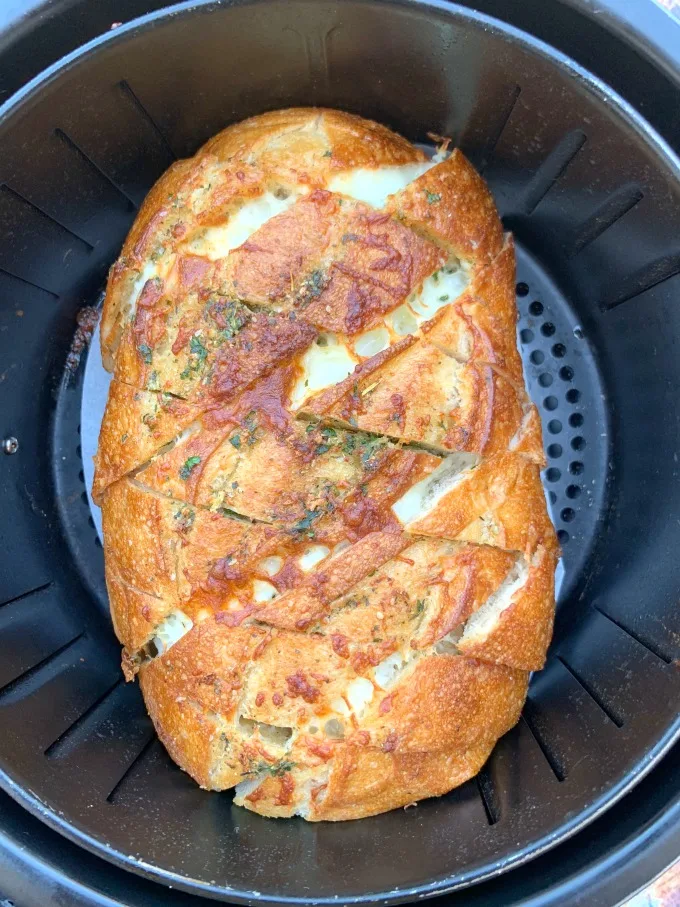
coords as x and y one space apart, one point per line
317 54
27 594
592 692
646 278
127 90
19 683
29 283
70 738
634 634
552 169
620 202
529 715
132 767
22 200
495 134
68 141
489 796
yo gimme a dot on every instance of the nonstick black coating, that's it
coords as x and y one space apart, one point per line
593 197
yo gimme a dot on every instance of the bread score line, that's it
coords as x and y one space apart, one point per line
328 553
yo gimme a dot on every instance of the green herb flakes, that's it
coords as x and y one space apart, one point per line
197 356
184 518
188 467
433 198
145 352
275 770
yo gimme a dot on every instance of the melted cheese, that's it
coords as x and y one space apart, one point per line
313 556
389 670
372 342
217 242
327 361
485 619
373 186
176 625
438 290
402 321
263 591
359 694
423 497
271 565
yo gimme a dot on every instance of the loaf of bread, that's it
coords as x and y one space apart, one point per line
328 553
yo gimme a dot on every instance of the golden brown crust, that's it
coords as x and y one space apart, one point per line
141 548
522 632
297 631
500 502
468 702
452 203
425 395
136 424
364 781
192 693
134 613
367 781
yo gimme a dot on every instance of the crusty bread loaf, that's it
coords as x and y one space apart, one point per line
328 553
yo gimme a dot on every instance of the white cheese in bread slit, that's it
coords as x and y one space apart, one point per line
424 496
218 241
168 632
484 621
333 357
373 186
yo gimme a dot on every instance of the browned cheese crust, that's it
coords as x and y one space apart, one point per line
328 554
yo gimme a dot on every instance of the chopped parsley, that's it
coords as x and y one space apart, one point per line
197 356
305 524
433 198
367 446
145 352
275 770
444 298
327 154
251 425
123 438
185 517
187 468
420 607
312 287
231 316
235 441
197 348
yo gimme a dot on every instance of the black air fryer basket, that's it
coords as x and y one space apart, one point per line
591 190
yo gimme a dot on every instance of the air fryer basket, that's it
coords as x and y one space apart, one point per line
593 197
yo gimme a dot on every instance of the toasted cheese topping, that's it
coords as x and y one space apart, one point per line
327 361
426 494
217 242
167 633
373 186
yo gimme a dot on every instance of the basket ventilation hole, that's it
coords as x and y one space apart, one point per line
554 374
